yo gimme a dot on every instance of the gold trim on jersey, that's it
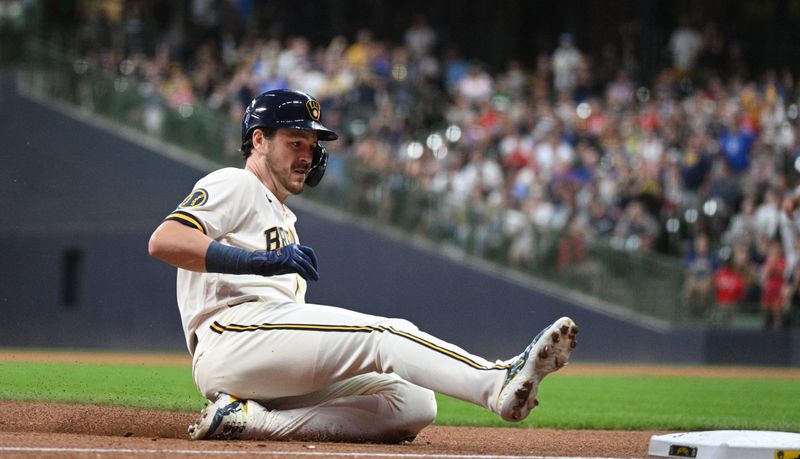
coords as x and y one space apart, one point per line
219 328
187 219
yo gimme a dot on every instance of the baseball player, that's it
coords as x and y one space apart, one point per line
274 367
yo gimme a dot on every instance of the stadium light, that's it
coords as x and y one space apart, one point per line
453 133
673 225
690 215
414 150
434 141
710 207
584 110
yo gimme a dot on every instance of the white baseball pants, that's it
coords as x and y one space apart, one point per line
326 372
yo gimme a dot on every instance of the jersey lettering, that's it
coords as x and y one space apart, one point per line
277 237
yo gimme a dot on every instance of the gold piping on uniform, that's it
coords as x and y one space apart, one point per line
219 328
187 219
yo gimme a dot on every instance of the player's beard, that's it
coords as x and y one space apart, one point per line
288 178
295 181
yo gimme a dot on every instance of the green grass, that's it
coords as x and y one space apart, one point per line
165 387
643 403
567 401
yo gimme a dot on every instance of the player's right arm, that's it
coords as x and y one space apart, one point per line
189 237
185 247
180 245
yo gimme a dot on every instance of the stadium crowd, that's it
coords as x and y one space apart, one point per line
701 162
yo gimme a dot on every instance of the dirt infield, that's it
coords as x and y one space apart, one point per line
59 430
94 430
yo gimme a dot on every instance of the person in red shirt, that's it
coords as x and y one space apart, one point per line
772 273
729 290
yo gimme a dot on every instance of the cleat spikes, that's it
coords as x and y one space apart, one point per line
545 352
549 351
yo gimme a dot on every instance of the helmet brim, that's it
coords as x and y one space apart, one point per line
323 133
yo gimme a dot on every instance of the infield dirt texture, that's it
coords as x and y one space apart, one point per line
38 429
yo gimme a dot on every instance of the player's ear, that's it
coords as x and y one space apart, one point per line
259 140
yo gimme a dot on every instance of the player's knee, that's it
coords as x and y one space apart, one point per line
419 409
427 407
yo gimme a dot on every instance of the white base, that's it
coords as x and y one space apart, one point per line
727 444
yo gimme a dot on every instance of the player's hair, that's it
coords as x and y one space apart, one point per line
247 146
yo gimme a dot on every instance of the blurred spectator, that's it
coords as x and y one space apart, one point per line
566 62
790 238
455 68
636 229
735 143
420 38
744 262
743 223
729 292
619 94
476 86
767 216
685 44
599 221
772 274
571 246
699 265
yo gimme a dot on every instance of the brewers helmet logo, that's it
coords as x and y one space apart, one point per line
313 109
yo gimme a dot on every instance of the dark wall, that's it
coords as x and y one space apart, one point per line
79 205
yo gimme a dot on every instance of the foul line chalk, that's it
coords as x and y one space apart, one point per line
11 449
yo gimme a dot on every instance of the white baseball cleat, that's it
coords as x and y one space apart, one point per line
225 419
548 352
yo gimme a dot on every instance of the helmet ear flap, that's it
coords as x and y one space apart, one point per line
318 165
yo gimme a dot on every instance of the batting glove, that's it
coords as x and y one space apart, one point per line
293 258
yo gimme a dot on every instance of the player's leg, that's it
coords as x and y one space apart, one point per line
262 353
371 407
265 353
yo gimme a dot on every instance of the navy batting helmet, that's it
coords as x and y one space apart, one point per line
284 108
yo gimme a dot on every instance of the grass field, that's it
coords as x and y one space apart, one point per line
568 401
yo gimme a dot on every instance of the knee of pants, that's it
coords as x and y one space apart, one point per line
417 408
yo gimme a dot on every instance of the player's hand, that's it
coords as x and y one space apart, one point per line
293 258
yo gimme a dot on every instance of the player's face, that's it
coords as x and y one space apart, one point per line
288 156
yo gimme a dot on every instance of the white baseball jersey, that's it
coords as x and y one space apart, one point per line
308 370
233 207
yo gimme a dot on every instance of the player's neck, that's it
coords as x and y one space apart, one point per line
268 181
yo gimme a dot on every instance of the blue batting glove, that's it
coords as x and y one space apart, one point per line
293 258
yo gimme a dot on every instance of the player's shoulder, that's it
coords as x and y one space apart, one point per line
228 172
229 176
